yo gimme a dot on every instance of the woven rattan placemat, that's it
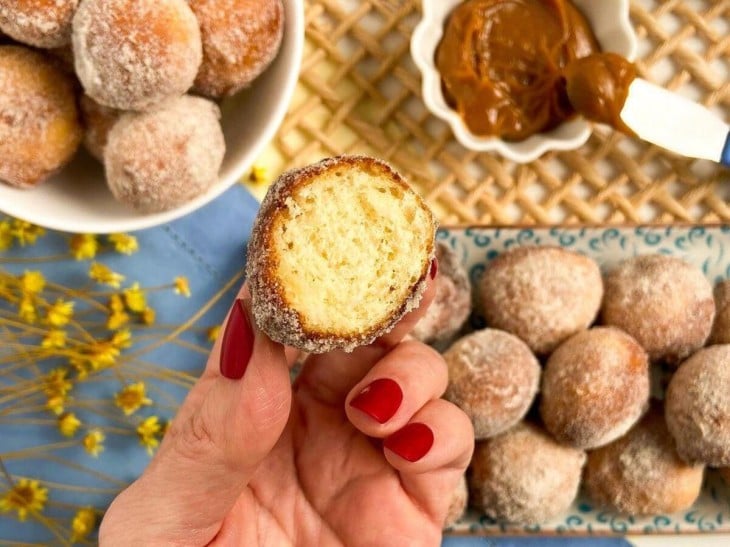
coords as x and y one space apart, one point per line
359 91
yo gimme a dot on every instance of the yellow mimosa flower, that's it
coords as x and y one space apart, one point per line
182 286
94 442
68 424
131 398
83 524
103 274
135 298
25 496
84 246
60 313
124 243
55 339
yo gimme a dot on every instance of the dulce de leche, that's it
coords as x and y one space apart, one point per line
503 67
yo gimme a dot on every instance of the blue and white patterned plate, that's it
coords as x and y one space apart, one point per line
707 248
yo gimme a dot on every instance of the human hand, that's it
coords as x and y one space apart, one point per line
258 461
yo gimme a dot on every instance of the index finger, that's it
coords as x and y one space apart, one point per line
329 377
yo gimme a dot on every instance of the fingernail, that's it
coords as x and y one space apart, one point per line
434 268
412 442
379 400
237 345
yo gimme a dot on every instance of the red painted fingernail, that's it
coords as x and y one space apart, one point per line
237 345
412 442
379 400
434 268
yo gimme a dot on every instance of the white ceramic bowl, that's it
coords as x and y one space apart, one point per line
610 22
78 200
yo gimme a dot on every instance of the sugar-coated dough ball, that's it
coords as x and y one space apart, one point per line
40 23
541 294
524 476
641 473
459 501
134 54
595 386
697 407
98 121
240 39
39 122
161 159
451 305
493 378
665 303
721 327
339 252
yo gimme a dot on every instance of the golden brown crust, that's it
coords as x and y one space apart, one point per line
665 303
40 127
524 475
272 312
158 160
493 378
697 407
543 295
641 473
595 387
135 54
240 39
39 23
451 305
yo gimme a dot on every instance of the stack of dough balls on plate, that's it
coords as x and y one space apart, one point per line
135 80
556 380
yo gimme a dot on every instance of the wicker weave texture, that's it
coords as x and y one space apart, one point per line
359 91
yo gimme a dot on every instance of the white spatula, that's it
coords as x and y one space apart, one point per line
676 123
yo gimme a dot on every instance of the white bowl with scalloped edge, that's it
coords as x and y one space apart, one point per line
78 200
610 22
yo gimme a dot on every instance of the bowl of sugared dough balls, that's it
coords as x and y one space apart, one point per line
158 108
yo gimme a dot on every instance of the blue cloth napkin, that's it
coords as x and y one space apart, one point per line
208 247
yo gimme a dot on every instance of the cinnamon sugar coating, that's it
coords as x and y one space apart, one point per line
39 23
451 305
493 378
272 312
543 295
665 303
524 476
595 386
161 159
40 129
697 407
134 54
641 473
240 39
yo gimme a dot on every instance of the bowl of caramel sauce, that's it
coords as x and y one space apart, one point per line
495 70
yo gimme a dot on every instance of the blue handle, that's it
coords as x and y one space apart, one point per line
725 156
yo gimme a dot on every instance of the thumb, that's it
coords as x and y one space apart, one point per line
230 422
